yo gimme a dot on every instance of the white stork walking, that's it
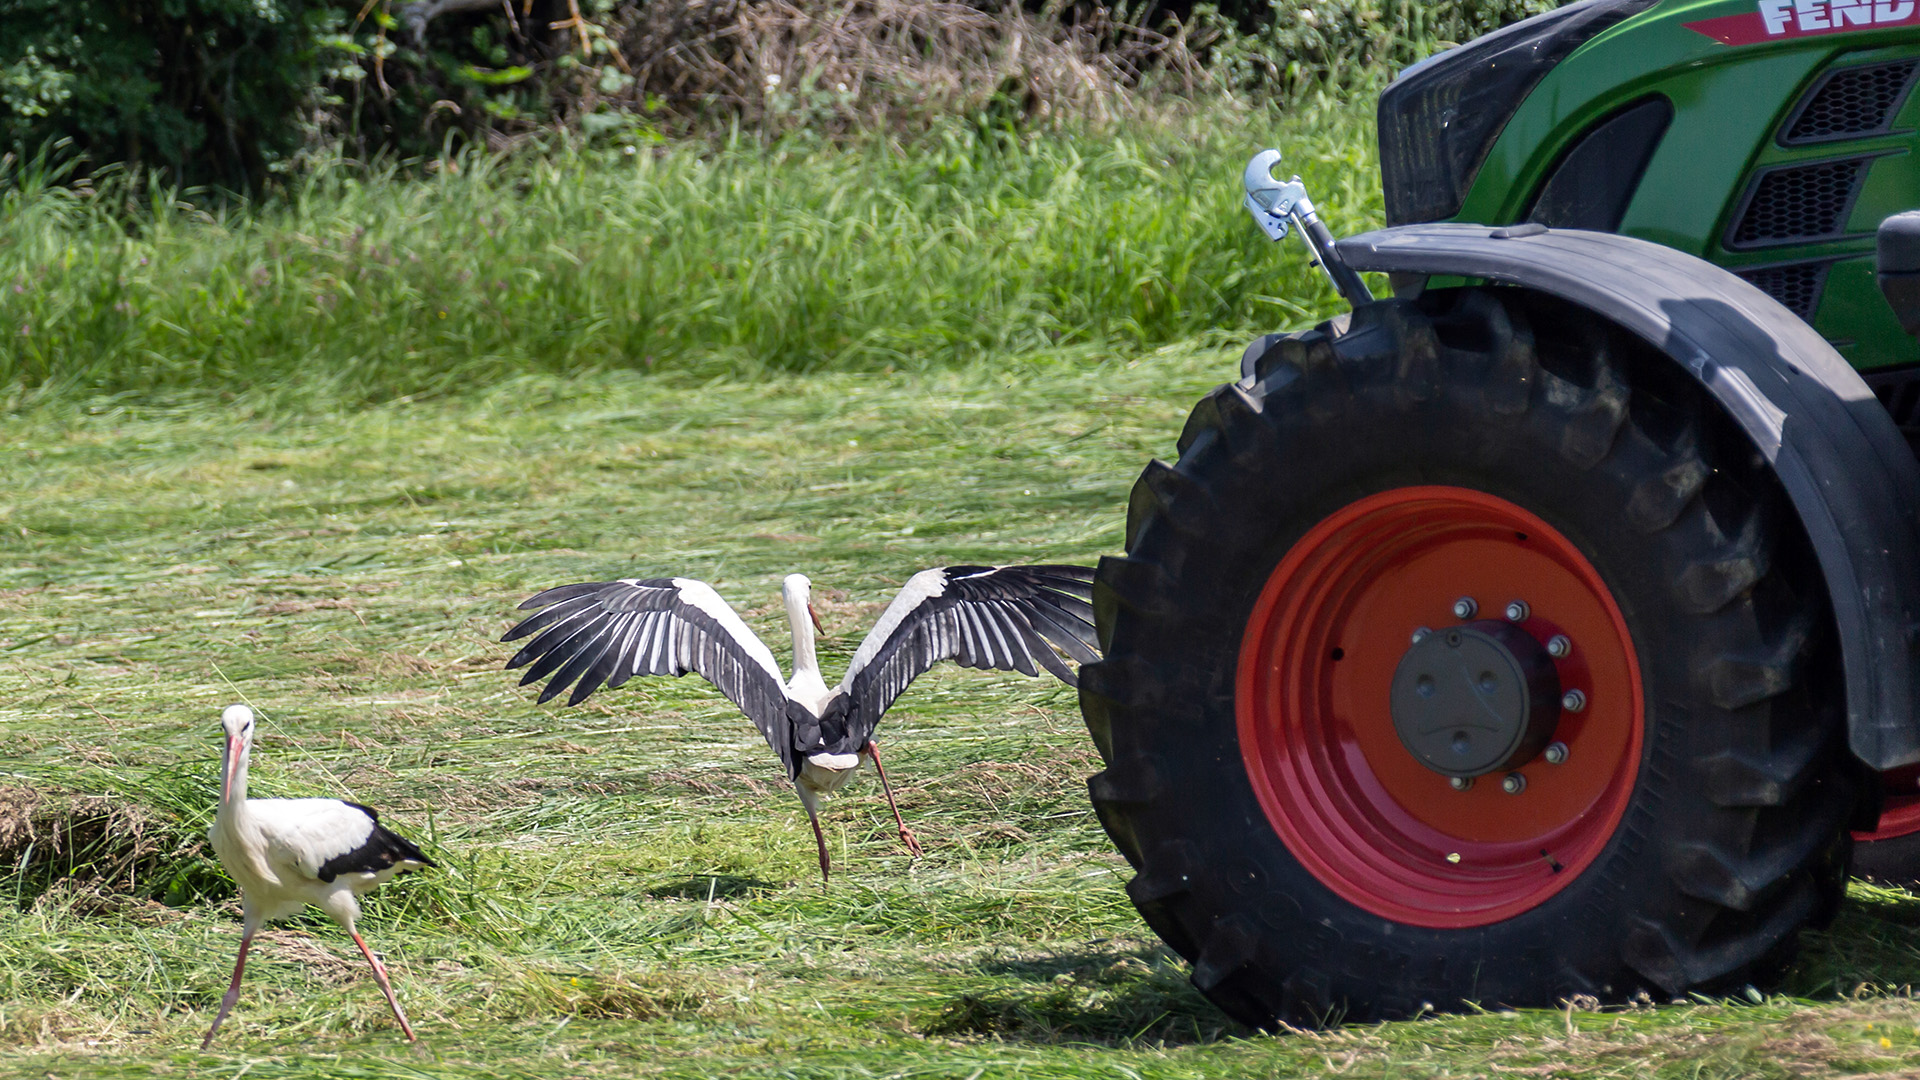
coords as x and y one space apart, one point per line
1005 617
288 853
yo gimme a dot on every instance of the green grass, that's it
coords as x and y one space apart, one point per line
628 890
958 245
864 361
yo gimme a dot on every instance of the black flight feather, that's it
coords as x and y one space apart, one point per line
1005 617
382 849
611 631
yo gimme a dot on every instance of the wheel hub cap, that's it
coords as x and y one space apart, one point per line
1475 699
1358 772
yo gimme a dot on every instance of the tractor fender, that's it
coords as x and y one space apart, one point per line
1850 476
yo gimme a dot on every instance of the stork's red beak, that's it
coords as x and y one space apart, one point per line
815 616
232 763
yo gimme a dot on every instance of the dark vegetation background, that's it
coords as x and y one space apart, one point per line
237 94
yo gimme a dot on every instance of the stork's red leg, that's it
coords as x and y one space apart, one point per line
233 988
380 976
906 834
821 839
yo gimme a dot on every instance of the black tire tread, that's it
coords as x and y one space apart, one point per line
1767 852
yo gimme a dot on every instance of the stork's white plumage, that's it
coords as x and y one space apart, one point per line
1005 617
288 853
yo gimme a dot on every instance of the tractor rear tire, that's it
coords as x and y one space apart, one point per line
1473 447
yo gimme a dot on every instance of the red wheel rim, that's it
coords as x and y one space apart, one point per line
1353 805
1901 815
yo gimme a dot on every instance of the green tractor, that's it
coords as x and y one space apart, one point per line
1548 629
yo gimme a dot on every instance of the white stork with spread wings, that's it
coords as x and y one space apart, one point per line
1006 617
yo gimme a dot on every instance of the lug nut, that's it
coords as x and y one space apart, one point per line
1420 635
1514 783
1573 701
1517 611
1556 753
1558 646
1460 783
1465 607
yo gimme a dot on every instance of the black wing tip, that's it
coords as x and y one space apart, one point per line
583 692
554 689
550 691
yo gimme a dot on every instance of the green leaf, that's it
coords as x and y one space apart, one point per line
493 77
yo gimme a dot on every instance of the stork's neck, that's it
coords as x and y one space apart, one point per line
806 664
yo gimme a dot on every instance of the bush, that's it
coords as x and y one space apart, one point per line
633 70
211 91
638 72
1288 47
227 92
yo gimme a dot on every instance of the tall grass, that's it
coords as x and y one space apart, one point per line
368 283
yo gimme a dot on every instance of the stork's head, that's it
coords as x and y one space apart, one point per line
797 590
237 721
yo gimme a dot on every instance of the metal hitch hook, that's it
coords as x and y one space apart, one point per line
1279 207
1271 202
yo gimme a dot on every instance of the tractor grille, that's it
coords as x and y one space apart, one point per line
1796 285
1797 203
1851 102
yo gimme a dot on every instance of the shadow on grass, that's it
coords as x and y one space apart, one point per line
1106 997
1874 943
710 886
1120 997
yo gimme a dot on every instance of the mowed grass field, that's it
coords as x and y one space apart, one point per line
628 887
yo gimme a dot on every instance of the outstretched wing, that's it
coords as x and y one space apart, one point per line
1005 617
606 632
